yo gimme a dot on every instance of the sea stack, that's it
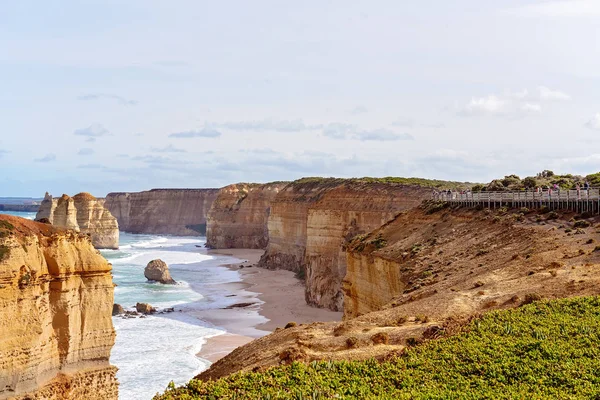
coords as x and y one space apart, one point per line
158 271
83 213
56 330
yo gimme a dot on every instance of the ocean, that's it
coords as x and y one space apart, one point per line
153 351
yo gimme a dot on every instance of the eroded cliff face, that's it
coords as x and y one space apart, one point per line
180 212
311 222
56 297
423 274
83 213
238 216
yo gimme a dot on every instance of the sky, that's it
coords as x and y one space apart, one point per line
106 95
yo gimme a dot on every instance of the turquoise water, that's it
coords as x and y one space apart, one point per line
150 352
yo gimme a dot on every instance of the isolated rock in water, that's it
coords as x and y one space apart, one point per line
144 308
158 270
117 310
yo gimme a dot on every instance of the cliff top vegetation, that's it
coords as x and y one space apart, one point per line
546 349
545 178
390 180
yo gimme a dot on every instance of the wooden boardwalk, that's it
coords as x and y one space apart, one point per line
574 200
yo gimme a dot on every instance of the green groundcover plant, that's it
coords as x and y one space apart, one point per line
544 350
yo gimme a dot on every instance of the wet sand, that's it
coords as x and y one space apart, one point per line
264 300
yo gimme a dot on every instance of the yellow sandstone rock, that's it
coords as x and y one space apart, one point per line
56 298
83 213
238 216
180 212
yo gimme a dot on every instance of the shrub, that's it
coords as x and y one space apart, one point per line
552 215
531 297
582 224
380 338
422 318
511 354
4 252
351 342
290 325
413 341
379 242
300 274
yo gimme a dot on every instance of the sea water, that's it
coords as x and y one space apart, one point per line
150 352
22 214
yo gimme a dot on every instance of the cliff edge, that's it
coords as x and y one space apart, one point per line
180 212
312 220
56 297
238 217
83 213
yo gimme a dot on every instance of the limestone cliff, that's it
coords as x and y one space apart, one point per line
83 213
180 212
419 276
238 216
56 297
312 220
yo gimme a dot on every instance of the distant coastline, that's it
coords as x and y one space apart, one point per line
20 207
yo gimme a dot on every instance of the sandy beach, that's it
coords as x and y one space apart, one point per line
265 300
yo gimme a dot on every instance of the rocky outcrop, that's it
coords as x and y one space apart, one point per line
180 212
158 271
117 309
83 213
144 308
56 297
312 220
238 217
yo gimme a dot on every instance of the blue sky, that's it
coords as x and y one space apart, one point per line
104 96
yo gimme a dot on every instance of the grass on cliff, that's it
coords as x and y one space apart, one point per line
432 183
539 351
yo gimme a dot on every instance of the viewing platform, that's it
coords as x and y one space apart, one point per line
583 200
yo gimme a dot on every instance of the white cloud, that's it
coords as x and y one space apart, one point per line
338 130
594 123
99 96
512 104
296 125
549 94
167 149
86 151
490 105
382 135
347 131
204 132
92 132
